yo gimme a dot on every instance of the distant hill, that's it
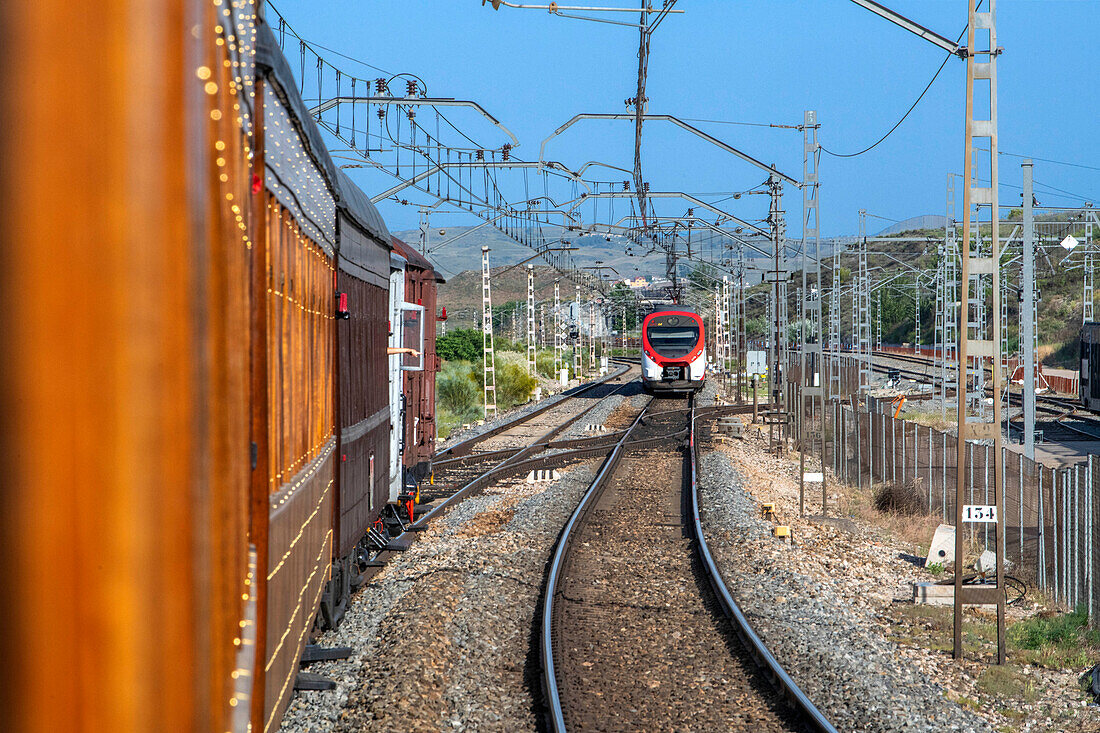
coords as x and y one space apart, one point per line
926 221
461 294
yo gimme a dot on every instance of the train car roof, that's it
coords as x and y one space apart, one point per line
354 203
414 258
270 59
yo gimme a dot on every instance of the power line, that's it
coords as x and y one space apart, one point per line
908 111
312 44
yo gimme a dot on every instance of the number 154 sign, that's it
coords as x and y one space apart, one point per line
979 513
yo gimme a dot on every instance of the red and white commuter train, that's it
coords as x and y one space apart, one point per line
674 359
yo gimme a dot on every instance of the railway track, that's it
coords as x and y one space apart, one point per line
1061 411
638 630
457 477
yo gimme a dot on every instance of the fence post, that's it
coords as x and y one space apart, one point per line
943 463
902 448
1041 550
930 471
916 451
894 450
859 450
1021 483
985 492
1090 561
1076 535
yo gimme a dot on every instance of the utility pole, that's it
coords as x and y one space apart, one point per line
861 298
949 358
425 231
488 357
834 327
775 368
577 345
559 340
981 65
531 320
811 356
916 314
1027 311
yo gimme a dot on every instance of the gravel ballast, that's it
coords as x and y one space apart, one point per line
442 635
854 676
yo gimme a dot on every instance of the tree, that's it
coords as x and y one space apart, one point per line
623 300
461 344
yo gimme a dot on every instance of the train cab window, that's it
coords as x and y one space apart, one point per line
673 339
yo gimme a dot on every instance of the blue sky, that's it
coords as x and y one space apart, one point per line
758 61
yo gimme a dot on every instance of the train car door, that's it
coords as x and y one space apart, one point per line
397 299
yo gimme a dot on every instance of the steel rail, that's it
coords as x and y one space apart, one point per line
749 637
561 549
463 448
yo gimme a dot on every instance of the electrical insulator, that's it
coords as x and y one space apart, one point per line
480 155
381 113
645 186
626 185
410 88
379 85
505 151
412 114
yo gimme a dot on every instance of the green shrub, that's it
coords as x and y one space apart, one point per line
514 384
457 389
544 364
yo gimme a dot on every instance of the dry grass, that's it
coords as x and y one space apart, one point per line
934 419
913 530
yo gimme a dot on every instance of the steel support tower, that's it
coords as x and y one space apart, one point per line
916 315
778 352
577 347
981 82
531 319
811 356
834 327
950 314
559 337
1028 331
861 299
488 357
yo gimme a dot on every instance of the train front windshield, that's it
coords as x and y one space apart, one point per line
673 340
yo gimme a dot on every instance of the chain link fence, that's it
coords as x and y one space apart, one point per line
1051 535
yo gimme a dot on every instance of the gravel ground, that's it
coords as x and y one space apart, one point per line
828 643
442 635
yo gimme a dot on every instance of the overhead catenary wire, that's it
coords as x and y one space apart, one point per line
913 106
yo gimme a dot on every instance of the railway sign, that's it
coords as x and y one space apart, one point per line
756 363
979 513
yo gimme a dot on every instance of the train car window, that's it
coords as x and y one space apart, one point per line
673 341
412 336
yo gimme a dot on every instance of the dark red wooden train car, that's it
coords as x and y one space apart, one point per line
363 417
418 388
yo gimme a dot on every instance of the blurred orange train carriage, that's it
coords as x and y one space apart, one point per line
199 433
